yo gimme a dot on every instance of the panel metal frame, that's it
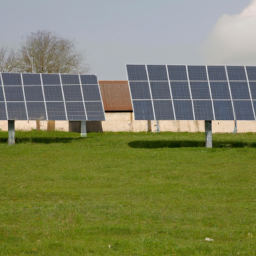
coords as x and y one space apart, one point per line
207 74
169 82
64 101
22 84
191 98
83 97
46 112
248 84
4 96
231 97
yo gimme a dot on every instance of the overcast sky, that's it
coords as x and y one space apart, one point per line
118 32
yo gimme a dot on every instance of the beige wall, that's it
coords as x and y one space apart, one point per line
121 121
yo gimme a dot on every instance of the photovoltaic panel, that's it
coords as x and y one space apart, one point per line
11 79
36 111
251 73
157 73
200 90
163 110
75 111
253 89
56 111
94 110
183 109
72 92
137 73
217 73
239 90
223 110
16 111
236 73
53 93
70 79
140 90
1 94
2 111
197 73
14 93
31 79
160 90
143 110
91 92
88 79
203 110
243 110
177 73
220 90
51 79
254 105
180 90
33 93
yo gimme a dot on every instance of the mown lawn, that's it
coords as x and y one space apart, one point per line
127 194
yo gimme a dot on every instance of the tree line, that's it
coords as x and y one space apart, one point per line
43 52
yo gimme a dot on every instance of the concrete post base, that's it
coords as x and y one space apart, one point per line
149 129
11 132
83 129
208 134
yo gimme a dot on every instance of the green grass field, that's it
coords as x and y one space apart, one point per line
127 194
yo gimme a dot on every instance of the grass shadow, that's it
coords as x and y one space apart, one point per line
43 140
188 143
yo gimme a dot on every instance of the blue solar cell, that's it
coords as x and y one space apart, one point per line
16 111
197 73
70 79
31 79
243 110
220 90
56 111
1 94
239 90
53 93
91 92
13 93
33 93
163 110
180 90
223 110
88 79
253 90
143 110
11 79
160 90
36 111
75 111
95 111
236 73
217 73
137 72
72 92
2 111
51 79
203 110
251 73
140 90
183 109
200 90
177 73
0 80
157 73
254 105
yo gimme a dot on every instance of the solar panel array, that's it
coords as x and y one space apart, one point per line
179 92
50 97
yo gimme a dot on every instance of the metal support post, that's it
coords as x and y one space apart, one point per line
208 134
235 128
11 132
157 126
83 129
149 126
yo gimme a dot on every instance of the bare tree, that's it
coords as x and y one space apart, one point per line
8 60
47 52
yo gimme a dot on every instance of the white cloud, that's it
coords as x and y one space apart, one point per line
233 39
